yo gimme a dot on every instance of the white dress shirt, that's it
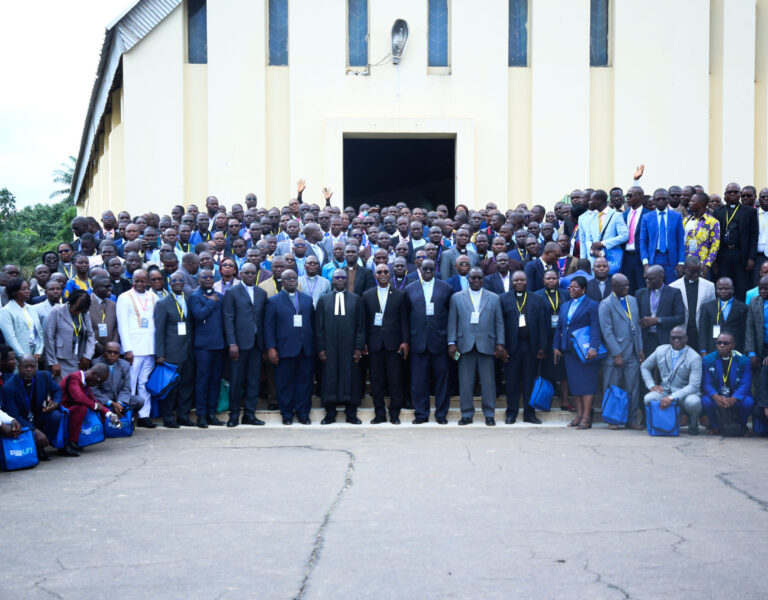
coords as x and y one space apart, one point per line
131 309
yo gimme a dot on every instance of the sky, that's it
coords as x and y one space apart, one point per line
50 52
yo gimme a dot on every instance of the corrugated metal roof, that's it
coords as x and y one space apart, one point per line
132 26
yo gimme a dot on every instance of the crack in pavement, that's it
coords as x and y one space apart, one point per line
39 585
608 584
469 455
117 477
723 477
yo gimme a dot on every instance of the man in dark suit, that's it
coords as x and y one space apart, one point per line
526 325
206 306
459 281
662 238
244 329
174 332
386 323
631 264
500 281
359 278
725 313
428 302
534 270
288 337
103 313
599 288
661 308
738 240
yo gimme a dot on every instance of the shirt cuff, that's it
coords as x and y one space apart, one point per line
645 261
751 354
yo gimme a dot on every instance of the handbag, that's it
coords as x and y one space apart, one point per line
541 396
615 406
162 380
62 433
581 345
729 423
126 430
92 431
19 452
663 421
223 404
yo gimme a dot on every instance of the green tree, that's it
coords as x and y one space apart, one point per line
63 176
7 205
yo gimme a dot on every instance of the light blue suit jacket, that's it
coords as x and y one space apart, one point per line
613 235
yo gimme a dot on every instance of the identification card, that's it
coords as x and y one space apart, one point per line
297 321
378 319
715 331
521 321
102 330
430 309
725 392
182 328
77 347
554 320
474 318
144 323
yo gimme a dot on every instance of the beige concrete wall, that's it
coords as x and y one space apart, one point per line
280 188
195 135
761 95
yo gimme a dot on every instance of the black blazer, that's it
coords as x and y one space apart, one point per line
593 290
364 280
429 334
736 324
743 227
534 270
175 348
394 328
493 283
671 311
537 319
242 319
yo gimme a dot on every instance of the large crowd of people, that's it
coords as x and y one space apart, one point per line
284 303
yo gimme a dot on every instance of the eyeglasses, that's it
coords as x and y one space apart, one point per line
65 251
723 343
339 276
675 337
474 277
732 192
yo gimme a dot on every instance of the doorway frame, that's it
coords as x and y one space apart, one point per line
462 130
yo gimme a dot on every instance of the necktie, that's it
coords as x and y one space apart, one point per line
600 222
632 228
663 233
675 358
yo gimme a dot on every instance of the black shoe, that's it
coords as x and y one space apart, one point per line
327 421
288 421
77 446
377 420
441 421
213 420
273 406
43 456
305 421
490 421
233 422
252 421
395 420
69 450
171 425
354 421
420 420
185 422
510 420
465 421
202 423
145 422
535 420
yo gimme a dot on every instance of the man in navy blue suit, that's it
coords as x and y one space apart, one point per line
662 238
500 281
206 307
459 281
535 269
288 331
429 300
631 264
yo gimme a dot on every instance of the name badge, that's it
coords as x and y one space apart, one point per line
474 318
297 321
555 320
430 309
144 323
521 321
77 347
182 328
102 330
693 246
725 391
715 331
378 319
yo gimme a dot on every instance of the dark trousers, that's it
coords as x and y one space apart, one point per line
519 372
632 267
48 423
181 397
207 380
293 380
386 370
730 264
331 410
77 414
422 366
245 370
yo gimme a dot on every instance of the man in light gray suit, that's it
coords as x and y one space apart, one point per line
448 258
117 387
680 376
620 326
476 333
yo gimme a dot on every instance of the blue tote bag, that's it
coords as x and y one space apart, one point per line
541 396
663 422
92 431
615 406
126 430
62 433
580 339
162 380
19 452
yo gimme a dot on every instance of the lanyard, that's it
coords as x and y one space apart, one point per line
720 306
312 288
472 299
520 307
76 328
733 214
136 301
83 285
625 307
178 307
727 374
69 273
561 266
555 305
402 285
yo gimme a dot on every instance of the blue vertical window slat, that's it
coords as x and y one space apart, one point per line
197 32
357 32
598 33
518 33
438 33
278 32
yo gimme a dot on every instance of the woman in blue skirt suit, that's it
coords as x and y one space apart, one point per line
577 313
